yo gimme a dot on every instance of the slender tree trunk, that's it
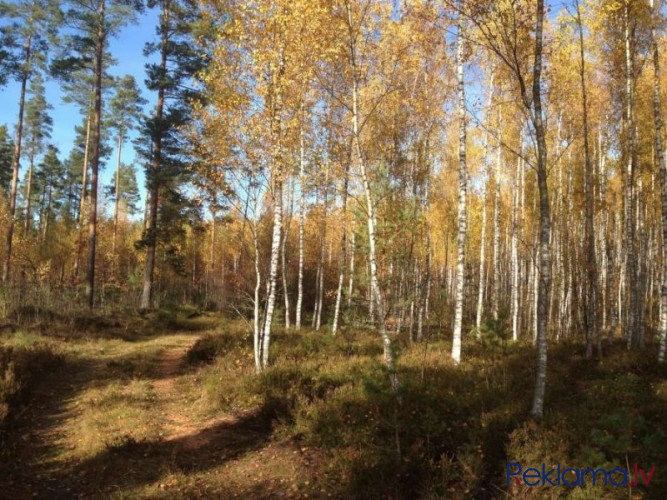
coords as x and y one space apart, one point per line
48 211
425 293
482 263
277 192
283 264
256 305
605 261
302 217
95 165
350 287
273 267
42 210
376 293
84 189
660 153
496 219
632 291
343 253
545 252
16 162
155 165
482 241
116 196
515 251
320 263
462 214
84 174
28 193
210 274
318 267
591 261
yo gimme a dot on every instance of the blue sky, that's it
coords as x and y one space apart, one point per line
127 49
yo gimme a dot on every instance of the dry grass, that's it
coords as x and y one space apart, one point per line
177 411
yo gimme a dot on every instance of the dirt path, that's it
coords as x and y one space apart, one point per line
178 422
125 419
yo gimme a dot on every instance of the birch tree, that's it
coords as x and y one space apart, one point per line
462 212
502 39
660 154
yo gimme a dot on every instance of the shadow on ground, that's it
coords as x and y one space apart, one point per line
33 470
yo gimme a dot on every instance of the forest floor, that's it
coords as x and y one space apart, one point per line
124 418
170 407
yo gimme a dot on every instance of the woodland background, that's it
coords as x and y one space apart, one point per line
433 195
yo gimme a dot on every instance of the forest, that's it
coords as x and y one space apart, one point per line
333 249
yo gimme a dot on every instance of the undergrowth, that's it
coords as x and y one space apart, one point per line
23 363
449 431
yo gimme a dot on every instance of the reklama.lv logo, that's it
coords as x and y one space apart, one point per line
575 477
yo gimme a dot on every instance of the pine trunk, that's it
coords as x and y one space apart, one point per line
82 201
95 164
147 295
16 162
28 193
116 196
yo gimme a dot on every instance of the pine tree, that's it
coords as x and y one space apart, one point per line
125 110
48 179
6 156
31 24
95 21
166 156
38 127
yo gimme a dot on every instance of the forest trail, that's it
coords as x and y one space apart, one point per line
129 419
177 421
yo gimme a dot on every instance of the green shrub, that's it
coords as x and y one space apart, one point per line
450 430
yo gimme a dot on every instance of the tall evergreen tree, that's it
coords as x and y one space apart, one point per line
31 23
48 179
166 158
125 111
124 191
95 21
38 127
6 155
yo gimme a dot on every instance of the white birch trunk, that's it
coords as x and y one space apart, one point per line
544 276
283 263
482 241
660 153
343 255
277 193
462 216
302 216
376 293
258 286
496 220
350 287
631 334
515 253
